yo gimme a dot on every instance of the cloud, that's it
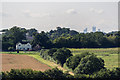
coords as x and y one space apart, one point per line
102 21
98 11
3 14
71 11
28 13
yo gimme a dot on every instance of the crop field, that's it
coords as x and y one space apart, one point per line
109 55
13 61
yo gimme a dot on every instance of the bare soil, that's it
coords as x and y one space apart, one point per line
13 61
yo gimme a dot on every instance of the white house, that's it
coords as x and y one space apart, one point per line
21 46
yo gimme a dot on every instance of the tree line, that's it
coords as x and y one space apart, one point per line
56 74
58 56
62 37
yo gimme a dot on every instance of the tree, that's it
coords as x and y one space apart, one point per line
61 55
89 64
32 31
73 61
113 74
54 73
17 34
11 49
41 39
56 55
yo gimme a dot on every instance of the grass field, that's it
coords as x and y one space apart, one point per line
23 52
110 55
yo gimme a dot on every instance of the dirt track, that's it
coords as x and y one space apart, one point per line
12 61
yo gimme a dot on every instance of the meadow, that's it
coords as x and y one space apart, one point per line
109 55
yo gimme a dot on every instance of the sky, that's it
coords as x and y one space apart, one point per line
45 16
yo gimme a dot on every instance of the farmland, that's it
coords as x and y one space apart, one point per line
12 61
109 55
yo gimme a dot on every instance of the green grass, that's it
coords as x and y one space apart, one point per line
109 55
22 52
97 51
49 63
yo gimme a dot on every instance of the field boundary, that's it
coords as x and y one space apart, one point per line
50 64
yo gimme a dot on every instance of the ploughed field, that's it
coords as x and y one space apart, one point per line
13 61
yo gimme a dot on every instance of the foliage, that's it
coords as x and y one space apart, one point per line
82 76
11 37
62 37
41 39
61 32
73 61
11 49
25 74
103 74
106 73
109 55
57 55
89 64
54 73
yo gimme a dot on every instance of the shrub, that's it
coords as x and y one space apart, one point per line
81 76
54 73
73 61
15 74
89 64
57 55
106 73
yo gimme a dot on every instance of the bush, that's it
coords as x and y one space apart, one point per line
54 73
106 73
15 74
26 74
82 76
73 61
57 55
89 64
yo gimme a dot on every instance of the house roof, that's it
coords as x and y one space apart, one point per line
22 43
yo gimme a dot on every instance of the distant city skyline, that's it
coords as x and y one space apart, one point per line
46 16
93 29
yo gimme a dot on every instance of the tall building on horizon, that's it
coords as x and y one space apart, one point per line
99 30
93 29
85 30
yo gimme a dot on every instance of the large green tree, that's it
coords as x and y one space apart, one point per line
89 64
11 37
41 39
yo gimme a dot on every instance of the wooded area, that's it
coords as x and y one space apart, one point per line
62 37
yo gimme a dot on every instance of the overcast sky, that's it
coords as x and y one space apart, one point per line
49 15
